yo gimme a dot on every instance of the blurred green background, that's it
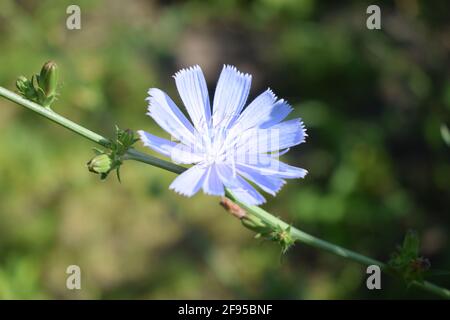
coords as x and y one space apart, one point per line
373 102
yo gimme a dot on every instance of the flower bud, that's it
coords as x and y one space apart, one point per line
48 78
232 208
101 164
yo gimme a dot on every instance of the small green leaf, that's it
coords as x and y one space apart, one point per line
406 260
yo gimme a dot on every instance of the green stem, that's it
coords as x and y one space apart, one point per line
82 131
133 154
51 115
315 242
265 216
304 237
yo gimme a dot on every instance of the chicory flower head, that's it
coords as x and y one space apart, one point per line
228 146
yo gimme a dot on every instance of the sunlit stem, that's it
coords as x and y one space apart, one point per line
82 131
265 216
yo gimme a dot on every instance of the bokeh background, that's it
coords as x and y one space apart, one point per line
373 102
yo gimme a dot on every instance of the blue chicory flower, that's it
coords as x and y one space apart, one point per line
226 144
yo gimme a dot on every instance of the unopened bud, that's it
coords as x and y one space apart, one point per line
48 78
101 164
232 208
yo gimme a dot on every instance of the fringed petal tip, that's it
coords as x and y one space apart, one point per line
304 129
184 190
303 133
303 174
275 191
186 70
288 106
229 67
151 92
295 172
152 98
180 192
272 94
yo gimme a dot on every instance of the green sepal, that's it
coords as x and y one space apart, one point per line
283 237
406 260
118 146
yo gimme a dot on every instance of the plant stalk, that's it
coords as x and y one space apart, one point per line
265 216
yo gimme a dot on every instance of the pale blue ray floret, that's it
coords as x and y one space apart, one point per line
229 146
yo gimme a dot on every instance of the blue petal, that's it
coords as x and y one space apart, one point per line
178 152
185 154
230 96
189 182
281 136
193 91
263 112
240 188
212 184
267 165
269 184
158 144
167 115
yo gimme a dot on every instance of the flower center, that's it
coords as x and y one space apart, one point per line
214 154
